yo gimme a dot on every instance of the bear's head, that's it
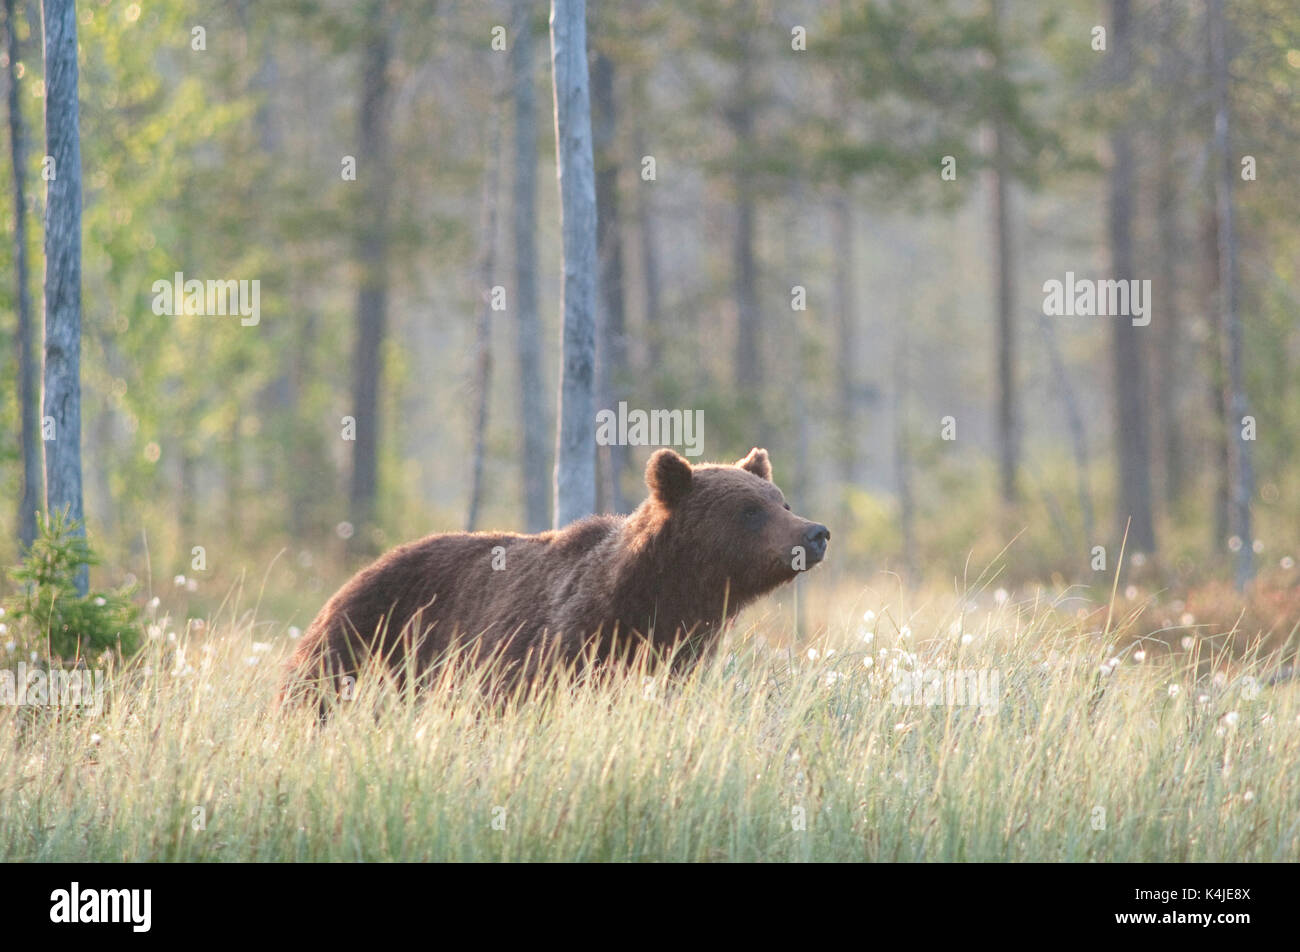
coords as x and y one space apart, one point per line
730 524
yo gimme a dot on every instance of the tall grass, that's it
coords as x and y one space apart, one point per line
769 753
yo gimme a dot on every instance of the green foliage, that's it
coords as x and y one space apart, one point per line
224 163
47 608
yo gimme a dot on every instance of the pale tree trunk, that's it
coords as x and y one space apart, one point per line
1243 475
1220 438
653 332
575 458
747 369
305 456
1074 424
532 407
33 494
902 449
846 329
1170 331
184 415
611 363
186 508
1008 436
800 467
483 321
235 500
648 241
797 483
63 268
373 175
1131 420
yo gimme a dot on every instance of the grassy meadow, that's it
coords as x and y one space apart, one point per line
1074 741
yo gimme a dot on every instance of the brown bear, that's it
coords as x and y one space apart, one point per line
707 541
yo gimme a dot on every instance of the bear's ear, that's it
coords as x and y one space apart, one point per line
668 476
757 463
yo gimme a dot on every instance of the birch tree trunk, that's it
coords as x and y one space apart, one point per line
901 385
647 232
532 407
33 494
747 369
62 404
372 257
1074 424
1007 416
1170 332
611 364
1242 471
483 319
1220 438
1131 414
575 458
846 335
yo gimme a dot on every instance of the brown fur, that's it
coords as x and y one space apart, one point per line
706 542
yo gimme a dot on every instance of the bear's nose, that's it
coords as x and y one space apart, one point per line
815 538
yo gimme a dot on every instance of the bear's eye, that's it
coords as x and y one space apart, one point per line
787 507
752 512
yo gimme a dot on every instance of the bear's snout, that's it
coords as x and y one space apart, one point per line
815 539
